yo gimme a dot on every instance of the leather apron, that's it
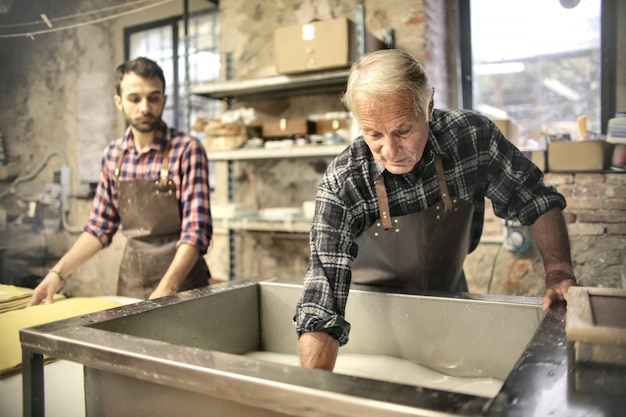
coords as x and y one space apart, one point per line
421 251
150 219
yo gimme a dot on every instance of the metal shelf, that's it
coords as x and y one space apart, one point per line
306 151
300 225
275 87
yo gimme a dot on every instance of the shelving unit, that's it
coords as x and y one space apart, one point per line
269 89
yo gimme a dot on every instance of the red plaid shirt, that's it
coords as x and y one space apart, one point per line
188 170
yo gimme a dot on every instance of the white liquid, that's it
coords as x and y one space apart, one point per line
396 370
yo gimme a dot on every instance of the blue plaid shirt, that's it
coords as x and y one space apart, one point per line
478 163
188 170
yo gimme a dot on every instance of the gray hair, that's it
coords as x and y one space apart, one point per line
390 72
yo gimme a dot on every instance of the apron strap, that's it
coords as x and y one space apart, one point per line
118 168
445 195
383 202
164 173
166 164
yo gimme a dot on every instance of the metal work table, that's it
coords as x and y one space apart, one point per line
159 369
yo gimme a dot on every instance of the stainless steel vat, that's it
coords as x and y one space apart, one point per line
184 355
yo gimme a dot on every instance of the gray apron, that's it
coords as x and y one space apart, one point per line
421 251
150 219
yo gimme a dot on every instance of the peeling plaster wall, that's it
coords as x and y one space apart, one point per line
248 27
56 93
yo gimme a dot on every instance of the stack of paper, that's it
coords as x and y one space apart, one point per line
15 298
11 322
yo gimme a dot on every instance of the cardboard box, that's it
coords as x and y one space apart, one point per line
509 129
285 127
321 45
584 155
331 125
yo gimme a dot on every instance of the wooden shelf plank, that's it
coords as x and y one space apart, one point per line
287 225
277 86
306 151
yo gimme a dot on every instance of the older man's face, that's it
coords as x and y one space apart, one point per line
393 131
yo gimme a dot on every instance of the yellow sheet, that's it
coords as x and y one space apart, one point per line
15 298
11 322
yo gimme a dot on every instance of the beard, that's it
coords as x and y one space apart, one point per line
146 123
145 126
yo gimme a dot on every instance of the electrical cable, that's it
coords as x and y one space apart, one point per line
493 268
66 226
75 15
77 25
35 172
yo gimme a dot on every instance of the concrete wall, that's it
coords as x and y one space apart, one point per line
56 93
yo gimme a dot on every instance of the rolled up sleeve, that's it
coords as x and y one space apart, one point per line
196 225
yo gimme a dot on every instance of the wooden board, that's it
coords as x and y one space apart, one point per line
596 324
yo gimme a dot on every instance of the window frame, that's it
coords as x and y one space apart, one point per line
608 51
178 55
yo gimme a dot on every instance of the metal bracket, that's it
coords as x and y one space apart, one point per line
360 30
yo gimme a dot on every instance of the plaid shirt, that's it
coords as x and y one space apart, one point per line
188 170
478 163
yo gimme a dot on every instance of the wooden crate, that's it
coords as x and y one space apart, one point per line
596 325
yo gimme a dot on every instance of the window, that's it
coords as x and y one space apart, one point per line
537 62
164 42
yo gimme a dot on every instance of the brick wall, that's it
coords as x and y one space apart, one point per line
596 203
596 221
